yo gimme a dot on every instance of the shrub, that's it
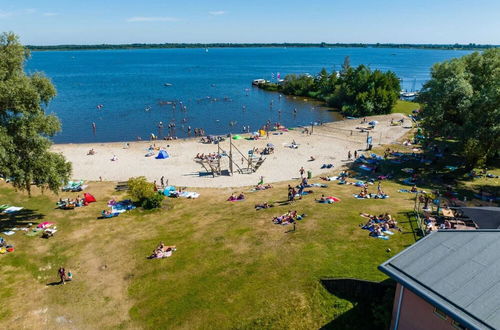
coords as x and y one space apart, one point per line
144 193
152 202
140 188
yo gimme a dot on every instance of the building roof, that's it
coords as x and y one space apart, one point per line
485 217
457 272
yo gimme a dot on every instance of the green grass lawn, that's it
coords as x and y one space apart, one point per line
405 107
233 267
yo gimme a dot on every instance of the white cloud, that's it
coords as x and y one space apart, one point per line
50 14
217 12
152 19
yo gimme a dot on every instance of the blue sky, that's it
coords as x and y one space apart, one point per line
50 22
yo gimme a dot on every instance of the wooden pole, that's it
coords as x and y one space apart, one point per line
231 154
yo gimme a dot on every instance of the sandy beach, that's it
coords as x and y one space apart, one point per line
329 144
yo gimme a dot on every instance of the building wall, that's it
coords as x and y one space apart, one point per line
417 314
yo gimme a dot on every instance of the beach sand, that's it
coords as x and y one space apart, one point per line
329 143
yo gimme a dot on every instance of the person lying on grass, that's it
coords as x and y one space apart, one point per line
382 219
263 187
233 198
162 251
264 205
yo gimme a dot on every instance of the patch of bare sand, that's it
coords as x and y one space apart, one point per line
329 143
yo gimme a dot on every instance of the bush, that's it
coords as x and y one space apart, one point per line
140 188
144 193
152 202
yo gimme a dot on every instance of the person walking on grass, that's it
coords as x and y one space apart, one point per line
62 274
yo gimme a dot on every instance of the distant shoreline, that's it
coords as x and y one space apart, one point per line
258 45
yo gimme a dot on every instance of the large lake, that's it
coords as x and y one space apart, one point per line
214 86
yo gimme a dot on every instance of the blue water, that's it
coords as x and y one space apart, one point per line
127 82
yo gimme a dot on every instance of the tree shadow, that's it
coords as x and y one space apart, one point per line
21 218
372 303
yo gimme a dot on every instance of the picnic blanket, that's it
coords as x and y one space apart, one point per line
12 209
189 194
366 168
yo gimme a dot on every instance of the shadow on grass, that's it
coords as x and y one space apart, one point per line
372 303
446 174
20 219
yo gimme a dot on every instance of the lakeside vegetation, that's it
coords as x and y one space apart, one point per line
461 102
355 92
470 46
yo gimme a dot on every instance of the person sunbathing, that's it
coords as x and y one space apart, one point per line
232 198
322 199
362 194
414 189
241 197
264 205
311 159
91 152
106 213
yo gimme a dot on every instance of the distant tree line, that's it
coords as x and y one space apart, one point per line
356 91
461 102
470 46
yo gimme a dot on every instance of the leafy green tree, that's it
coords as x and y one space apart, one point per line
144 193
462 101
25 129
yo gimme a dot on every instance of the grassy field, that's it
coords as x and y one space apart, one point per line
233 267
405 107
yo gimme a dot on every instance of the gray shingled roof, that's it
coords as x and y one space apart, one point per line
456 271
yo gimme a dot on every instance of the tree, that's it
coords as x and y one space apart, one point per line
462 101
346 65
144 193
25 129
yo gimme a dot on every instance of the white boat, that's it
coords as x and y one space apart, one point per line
167 84
257 82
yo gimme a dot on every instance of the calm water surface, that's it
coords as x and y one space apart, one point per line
215 87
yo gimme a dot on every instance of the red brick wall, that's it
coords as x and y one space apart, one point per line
416 313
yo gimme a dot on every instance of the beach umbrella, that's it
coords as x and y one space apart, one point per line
237 137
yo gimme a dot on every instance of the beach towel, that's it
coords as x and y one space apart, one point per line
378 196
383 237
45 225
189 194
366 168
9 232
357 196
451 168
13 209
321 185
408 181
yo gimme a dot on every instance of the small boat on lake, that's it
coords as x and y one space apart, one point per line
167 84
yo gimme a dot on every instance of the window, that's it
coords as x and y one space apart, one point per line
439 313
457 325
